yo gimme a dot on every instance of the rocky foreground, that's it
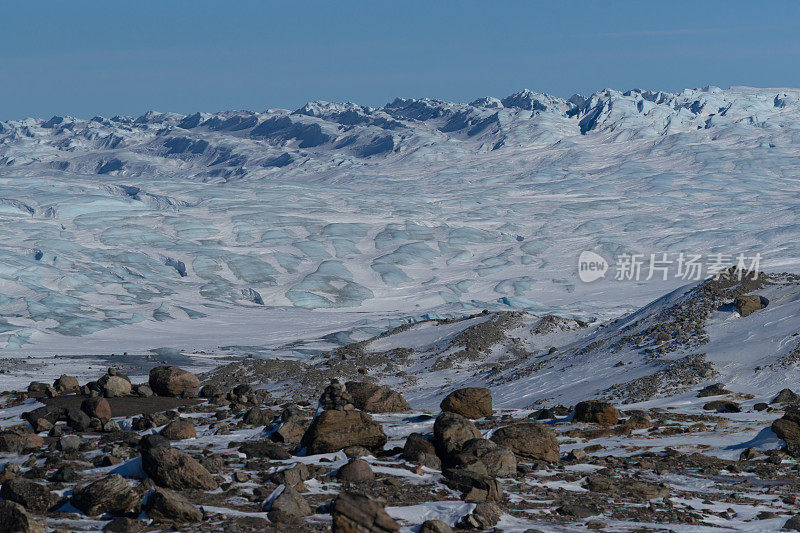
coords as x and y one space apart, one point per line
177 454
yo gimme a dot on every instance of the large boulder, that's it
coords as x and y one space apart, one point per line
66 385
15 519
174 469
15 441
451 431
421 451
110 494
376 398
334 430
78 420
289 507
497 460
174 381
475 486
264 449
49 413
530 441
787 428
164 505
484 517
33 496
179 429
749 304
356 471
435 526
114 386
472 402
356 513
96 407
596 412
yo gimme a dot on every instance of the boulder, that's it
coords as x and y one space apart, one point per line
123 524
334 430
484 517
143 390
290 432
264 449
451 431
474 486
114 386
787 428
166 506
357 513
530 441
37 389
110 494
289 507
174 469
96 407
293 476
356 471
435 526
722 406
50 413
786 397
34 497
716 389
179 429
376 398
472 402
596 412
69 443
256 417
793 524
16 441
421 451
749 304
67 385
15 519
498 461
78 420
174 381
153 440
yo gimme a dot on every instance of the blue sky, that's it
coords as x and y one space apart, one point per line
105 58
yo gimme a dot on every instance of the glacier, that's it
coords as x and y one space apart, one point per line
335 220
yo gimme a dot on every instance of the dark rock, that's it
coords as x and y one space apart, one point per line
293 476
787 397
749 304
66 385
15 519
530 441
256 417
357 513
69 443
153 440
289 432
289 507
717 389
793 524
421 451
334 430
356 471
124 524
50 413
451 431
174 381
475 486
96 407
34 497
596 412
485 516
435 526
110 494
143 390
176 470
376 398
471 402
164 505
760 406
78 420
16 441
266 449
179 429
65 474
336 397
575 510
722 406
498 461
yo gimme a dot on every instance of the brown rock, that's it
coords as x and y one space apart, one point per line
498 461
336 397
289 507
435 526
356 513
485 516
356 471
421 451
451 431
530 441
334 430
34 497
66 385
164 505
110 494
472 402
290 432
749 304
15 519
176 470
596 412
96 407
376 398
114 386
179 429
174 381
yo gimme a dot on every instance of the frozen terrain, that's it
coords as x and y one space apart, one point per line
270 229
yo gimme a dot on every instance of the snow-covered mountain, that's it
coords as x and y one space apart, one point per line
242 228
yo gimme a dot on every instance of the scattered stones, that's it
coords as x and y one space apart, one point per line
289 507
451 431
176 470
110 494
355 513
376 398
530 441
596 412
471 402
334 430
356 471
179 429
164 505
174 381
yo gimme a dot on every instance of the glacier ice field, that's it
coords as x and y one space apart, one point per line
335 221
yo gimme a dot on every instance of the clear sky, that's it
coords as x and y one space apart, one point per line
125 57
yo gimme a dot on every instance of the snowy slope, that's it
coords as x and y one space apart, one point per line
260 229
